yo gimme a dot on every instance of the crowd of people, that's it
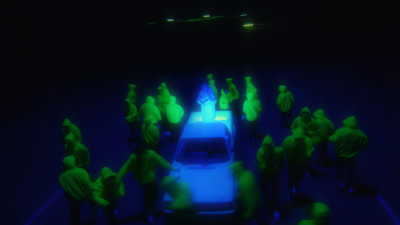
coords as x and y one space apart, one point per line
297 150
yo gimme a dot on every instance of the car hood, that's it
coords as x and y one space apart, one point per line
212 183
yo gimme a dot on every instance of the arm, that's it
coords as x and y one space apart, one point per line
97 191
161 161
126 167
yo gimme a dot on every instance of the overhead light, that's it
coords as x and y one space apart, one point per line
170 20
248 25
243 14
206 16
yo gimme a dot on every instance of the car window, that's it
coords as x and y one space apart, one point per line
203 150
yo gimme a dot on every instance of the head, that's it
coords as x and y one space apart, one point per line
169 184
247 79
69 162
236 168
108 177
351 122
319 114
229 81
320 213
210 77
81 154
305 114
282 89
69 143
132 87
150 100
268 146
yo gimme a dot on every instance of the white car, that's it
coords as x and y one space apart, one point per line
204 153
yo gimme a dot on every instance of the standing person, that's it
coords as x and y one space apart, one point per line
132 119
131 95
252 110
143 164
349 141
326 129
298 148
150 110
106 191
78 188
285 102
182 205
271 160
174 113
211 83
162 97
249 202
224 100
233 96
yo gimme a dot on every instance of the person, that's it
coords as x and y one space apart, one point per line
132 119
298 148
224 100
68 127
143 165
82 156
163 97
182 205
248 196
175 114
320 215
106 191
285 102
252 110
233 96
349 141
206 99
77 187
150 134
131 95
326 129
150 111
310 126
271 160
211 83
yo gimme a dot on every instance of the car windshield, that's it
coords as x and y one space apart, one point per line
203 151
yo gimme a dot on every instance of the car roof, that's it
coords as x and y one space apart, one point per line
204 130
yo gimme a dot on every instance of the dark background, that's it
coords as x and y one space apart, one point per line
71 59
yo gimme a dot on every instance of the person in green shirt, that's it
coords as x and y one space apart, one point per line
326 129
285 102
143 165
271 160
106 191
78 188
175 114
349 141
252 110
298 148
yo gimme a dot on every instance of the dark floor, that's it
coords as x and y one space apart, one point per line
322 67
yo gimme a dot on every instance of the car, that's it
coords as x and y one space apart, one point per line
204 152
